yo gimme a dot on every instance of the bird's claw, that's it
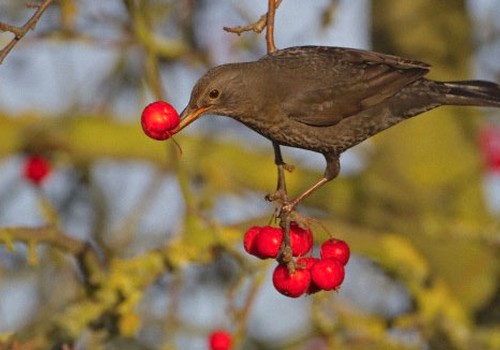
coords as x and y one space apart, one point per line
287 208
277 196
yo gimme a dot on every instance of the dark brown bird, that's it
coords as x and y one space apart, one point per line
327 99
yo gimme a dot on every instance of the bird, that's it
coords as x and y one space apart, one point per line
326 99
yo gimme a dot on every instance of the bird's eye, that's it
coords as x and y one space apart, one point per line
213 94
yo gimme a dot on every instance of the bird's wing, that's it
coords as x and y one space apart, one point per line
335 83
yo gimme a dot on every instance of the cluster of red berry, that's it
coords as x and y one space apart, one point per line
311 274
159 120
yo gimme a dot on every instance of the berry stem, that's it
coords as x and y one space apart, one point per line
285 256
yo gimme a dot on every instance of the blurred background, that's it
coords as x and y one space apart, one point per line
129 243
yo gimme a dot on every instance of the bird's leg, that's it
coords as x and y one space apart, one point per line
291 205
281 197
287 211
331 172
280 194
285 214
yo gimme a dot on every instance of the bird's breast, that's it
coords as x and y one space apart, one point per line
287 132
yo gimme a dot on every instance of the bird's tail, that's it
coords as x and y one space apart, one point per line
472 93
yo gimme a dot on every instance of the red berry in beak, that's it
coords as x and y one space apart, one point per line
158 120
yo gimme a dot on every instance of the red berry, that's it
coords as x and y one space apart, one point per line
307 264
301 240
291 285
268 242
220 340
36 169
249 240
335 249
158 120
489 142
327 274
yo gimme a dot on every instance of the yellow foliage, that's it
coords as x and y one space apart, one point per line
7 240
32 254
399 254
129 324
77 316
437 304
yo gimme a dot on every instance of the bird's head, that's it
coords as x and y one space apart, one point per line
219 91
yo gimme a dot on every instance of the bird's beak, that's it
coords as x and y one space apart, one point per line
189 115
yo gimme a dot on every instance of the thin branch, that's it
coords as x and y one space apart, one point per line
20 32
271 47
44 234
257 26
86 255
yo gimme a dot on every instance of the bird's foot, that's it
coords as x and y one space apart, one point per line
279 196
286 210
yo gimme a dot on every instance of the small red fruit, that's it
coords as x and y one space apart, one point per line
249 240
335 249
291 285
489 143
327 274
36 169
158 119
301 240
220 340
307 264
268 242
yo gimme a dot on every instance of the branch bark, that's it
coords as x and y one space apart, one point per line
44 234
259 25
271 12
20 32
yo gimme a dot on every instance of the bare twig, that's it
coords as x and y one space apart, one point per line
44 234
259 25
86 255
20 32
270 26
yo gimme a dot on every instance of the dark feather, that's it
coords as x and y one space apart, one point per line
352 80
